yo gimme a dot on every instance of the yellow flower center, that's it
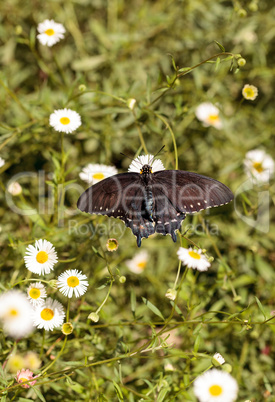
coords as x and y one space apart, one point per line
258 166
98 176
13 313
213 118
42 257
142 264
65 120
47 314
215 390
249 93
73 281
21 379
49 32
112 245
34 293
194 255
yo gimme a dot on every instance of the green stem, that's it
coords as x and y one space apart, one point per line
42 344
179 75
172 135
68 311
106 298
30 280
96 92
178 274
57 357
140 132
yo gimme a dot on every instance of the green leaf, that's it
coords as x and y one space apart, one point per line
260 306
220 46
197 329
39 394
56 162
197 344
183 69
162 394
173 62
118 391
153 308
218 61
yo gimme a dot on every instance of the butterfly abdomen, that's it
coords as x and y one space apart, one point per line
148 203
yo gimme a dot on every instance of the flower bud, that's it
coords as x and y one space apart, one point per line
217 359
53 283
82 88
122 279
171 294
242 13
94 317
227 367
67 328
241 62
131 103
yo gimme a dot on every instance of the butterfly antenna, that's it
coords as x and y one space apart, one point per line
126 156
154 157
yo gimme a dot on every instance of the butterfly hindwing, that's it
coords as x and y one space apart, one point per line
166 216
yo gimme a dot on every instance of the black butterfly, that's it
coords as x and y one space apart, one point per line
153 202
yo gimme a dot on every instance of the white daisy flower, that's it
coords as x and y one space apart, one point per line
14 188
49 315
15 314
216 386
50 32
72 282
142 160
65 120
41 257
93 173
209 115
250 92
36 293
138 263
2 162
258 164
193 259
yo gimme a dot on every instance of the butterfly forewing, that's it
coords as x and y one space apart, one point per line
107 197
190 192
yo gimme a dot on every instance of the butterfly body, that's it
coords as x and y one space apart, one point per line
156 202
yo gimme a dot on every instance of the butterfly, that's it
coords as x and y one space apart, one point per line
150 199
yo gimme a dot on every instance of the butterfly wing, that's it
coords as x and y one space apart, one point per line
173 194
166 215
191 192
120 196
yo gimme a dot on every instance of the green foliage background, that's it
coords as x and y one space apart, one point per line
120 50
